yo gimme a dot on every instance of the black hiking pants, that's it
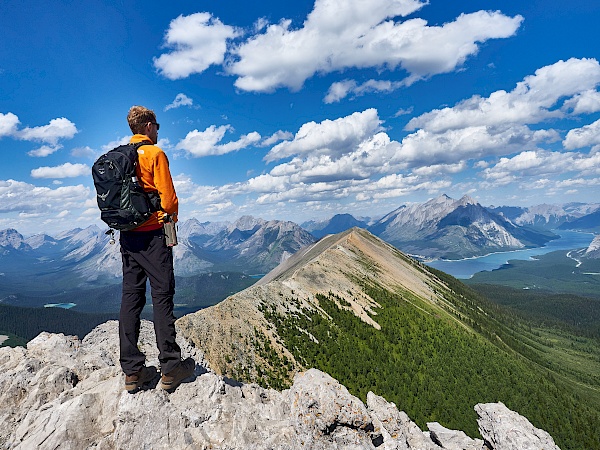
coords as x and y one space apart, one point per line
146 257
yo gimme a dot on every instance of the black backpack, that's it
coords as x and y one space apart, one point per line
123 203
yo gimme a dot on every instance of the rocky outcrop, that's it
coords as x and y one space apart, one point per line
505 429
12 239
66 393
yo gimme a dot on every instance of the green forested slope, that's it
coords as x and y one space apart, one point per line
574 313
436 366
23 324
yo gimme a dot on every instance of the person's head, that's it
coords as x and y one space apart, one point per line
143 121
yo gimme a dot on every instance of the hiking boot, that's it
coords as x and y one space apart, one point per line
185 369
141 377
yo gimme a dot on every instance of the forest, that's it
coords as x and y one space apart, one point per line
23 324
573 313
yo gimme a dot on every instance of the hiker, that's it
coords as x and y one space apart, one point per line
145 256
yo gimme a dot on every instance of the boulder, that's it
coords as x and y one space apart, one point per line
504 429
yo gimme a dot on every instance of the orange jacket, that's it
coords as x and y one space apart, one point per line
154 175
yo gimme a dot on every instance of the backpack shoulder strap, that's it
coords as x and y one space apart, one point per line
139 144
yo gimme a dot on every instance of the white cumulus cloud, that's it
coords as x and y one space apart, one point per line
196 42
8 124
359 34
541 164
584 103
44 150
49 135
329 137
533 100
57 129
362 35
66 170
582 137
206 143
277 137
180 100
340 90
24 197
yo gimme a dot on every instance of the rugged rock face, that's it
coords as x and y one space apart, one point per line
258 245
66 393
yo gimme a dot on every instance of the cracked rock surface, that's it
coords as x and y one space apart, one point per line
65 393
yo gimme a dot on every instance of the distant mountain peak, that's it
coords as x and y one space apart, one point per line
11 238
40 240
442 199
246 223
467 200
337 224
448 228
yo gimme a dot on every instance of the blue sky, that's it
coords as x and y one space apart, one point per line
301 110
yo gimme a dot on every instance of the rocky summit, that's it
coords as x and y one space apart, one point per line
65 393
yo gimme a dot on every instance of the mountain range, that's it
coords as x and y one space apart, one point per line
58 266
249 245
440 228
454 229
550 216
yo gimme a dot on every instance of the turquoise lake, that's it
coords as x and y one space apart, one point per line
466 268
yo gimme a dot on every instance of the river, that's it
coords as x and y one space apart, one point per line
466 268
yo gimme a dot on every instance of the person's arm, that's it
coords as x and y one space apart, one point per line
164 184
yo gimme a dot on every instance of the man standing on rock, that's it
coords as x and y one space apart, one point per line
146 256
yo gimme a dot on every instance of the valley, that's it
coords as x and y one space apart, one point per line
563 271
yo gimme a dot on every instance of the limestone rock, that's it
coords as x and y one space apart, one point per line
398 431
452 439
325 415
504 429
65 393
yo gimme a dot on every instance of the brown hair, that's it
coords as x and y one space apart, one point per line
138 117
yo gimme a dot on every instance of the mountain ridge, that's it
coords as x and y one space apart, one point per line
300 277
